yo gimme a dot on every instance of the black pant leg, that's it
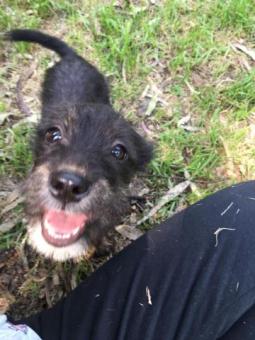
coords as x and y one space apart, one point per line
192 277
243 329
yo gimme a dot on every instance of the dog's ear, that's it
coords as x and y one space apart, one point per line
143 150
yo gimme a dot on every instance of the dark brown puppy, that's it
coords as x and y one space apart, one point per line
85 155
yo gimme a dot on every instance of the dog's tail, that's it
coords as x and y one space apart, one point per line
52 43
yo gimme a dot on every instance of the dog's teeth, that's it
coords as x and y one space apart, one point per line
76 230
55 235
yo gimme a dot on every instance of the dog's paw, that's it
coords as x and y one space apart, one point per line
105 248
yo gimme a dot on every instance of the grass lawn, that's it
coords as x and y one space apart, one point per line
182 71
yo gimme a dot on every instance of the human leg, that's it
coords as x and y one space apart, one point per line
192 277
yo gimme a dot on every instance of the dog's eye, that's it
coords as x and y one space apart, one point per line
119 152
53 135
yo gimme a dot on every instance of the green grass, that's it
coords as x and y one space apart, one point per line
179 150
13 237
241 95
234 14
126 39
16 158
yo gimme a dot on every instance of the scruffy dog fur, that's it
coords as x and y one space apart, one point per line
85 155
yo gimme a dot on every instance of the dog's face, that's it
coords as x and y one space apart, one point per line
84 159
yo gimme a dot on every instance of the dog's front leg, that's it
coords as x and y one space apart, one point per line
97 234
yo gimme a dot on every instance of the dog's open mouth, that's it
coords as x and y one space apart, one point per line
61 228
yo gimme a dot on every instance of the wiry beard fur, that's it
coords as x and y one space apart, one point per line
104 207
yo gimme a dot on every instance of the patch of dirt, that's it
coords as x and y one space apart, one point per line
20 277
30 283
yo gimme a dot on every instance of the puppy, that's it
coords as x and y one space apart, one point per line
85 155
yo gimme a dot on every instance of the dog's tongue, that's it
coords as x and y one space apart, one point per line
63 222
60 228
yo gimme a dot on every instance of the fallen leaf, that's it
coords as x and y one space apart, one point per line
11 205
129 232
7 226
182 123
3 117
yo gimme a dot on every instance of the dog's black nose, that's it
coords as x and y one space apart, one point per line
68 186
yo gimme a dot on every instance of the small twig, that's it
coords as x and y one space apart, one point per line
193 186
216 233
23 107
245 64
231 164
148 294
248 51
190 87
227 209
23 255
47 294
74 282
124 74
170 195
